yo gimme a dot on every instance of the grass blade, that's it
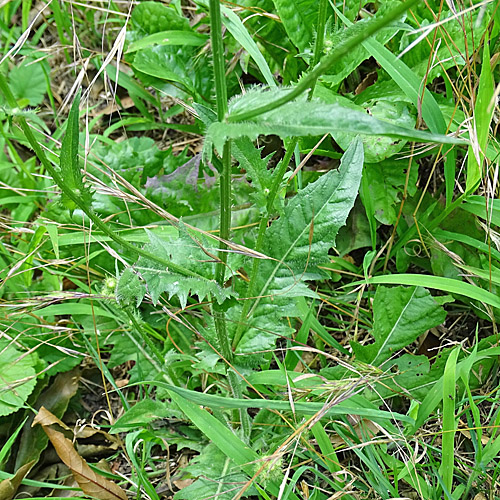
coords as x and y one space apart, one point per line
449 426
438 283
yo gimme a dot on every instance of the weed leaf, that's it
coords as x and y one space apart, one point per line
18 377
297 243
185 251
305 118
299 19
400 316
69 163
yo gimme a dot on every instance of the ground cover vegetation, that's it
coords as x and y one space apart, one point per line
249 249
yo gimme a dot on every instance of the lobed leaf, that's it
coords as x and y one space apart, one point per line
187 252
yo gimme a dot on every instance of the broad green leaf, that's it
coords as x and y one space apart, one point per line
385 182
299 19
154 17
159 61
27 81
303 118
300 239
217 477
185 251
379 148
184 38
18 377
400 315
297 243
69 163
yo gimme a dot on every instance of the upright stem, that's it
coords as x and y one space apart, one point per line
225 204
218 58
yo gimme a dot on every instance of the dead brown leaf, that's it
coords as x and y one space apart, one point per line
91 483
8 487
56 399
480 496
365 429
183 483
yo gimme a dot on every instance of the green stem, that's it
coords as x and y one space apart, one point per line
4 87
218 58
305 84
320 31
225 206
225 212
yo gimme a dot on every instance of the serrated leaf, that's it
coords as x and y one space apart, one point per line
300 240
18 377
187 252
249 158
299 19
162 62
130 290
297 243
304 118
68 160
400 316
27 81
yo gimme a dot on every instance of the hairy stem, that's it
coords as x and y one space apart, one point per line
225 204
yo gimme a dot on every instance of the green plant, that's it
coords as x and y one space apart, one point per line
238 297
